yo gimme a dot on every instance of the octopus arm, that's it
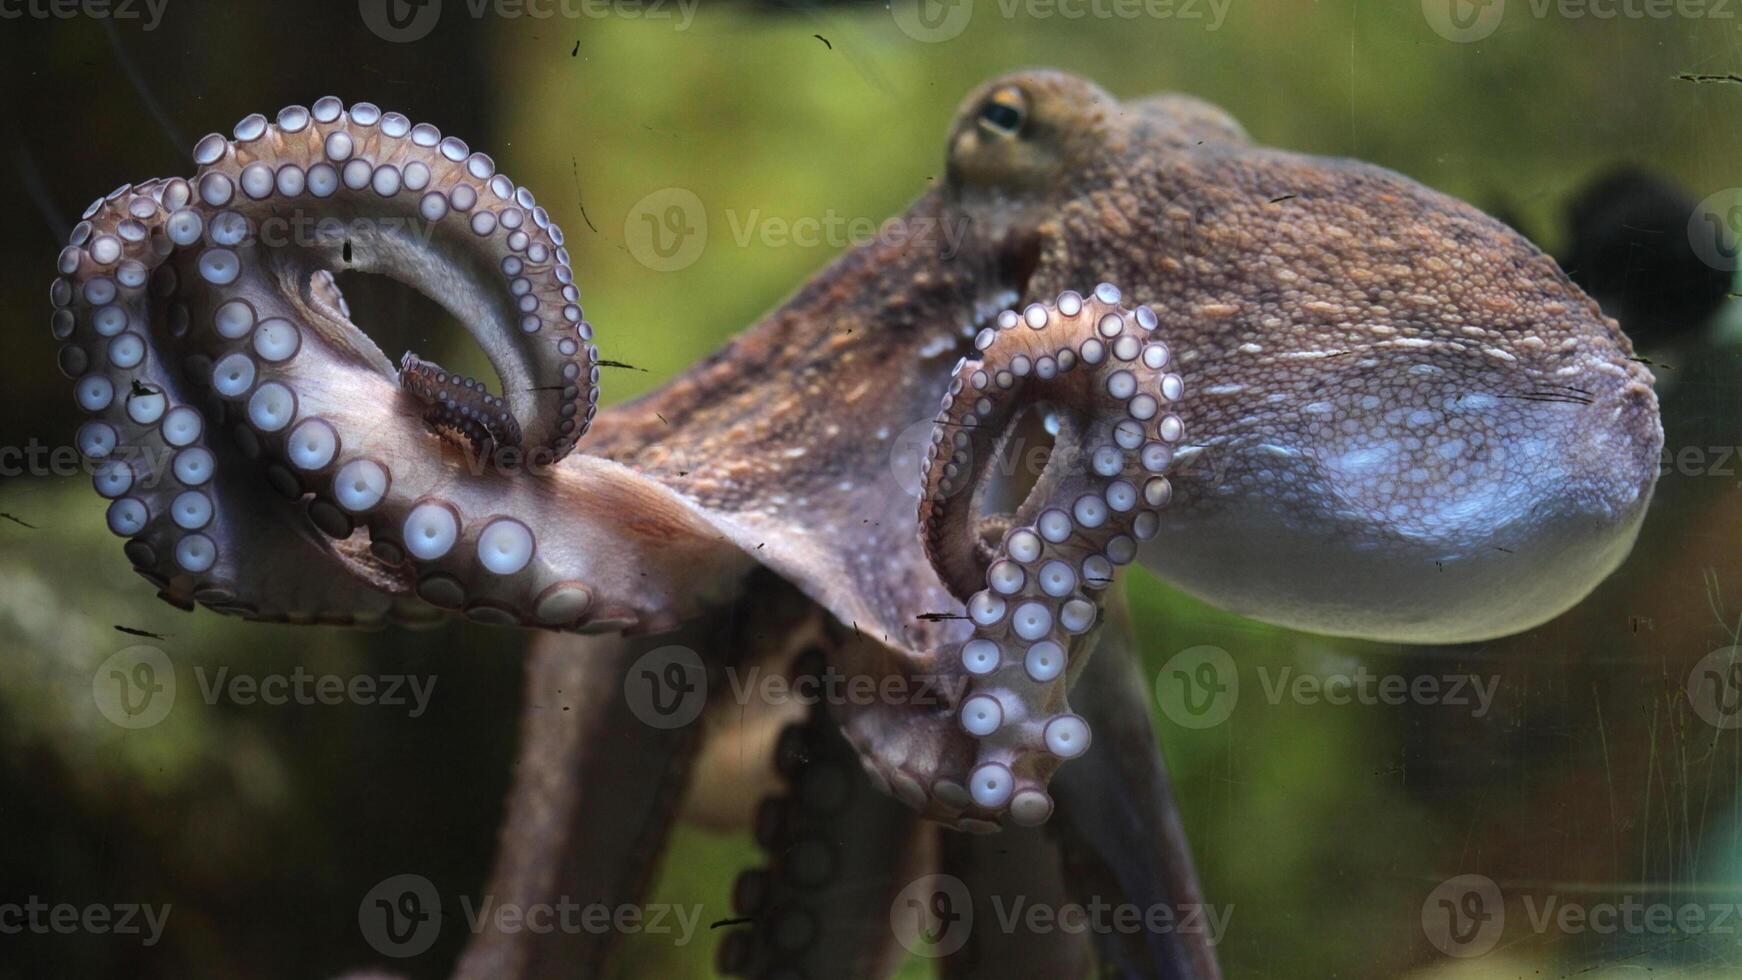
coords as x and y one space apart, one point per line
588 772
1120 827
191 306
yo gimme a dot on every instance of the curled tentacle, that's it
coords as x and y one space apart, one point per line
187 304
178 494
460 409
1034 600
334 188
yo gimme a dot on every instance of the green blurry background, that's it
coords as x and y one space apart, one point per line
1324 827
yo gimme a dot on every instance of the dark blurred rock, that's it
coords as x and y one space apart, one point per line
1628 247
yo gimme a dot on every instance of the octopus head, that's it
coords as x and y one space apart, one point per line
1404 421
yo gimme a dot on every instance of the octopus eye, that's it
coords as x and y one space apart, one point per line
1004 113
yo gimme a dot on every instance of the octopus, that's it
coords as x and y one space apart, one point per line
1310 391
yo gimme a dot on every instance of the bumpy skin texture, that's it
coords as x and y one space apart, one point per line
1380 413
1405 422
1389 388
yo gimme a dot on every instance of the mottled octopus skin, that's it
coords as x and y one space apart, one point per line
1395 417
1339 326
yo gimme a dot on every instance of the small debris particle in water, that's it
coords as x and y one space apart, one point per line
1728 78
